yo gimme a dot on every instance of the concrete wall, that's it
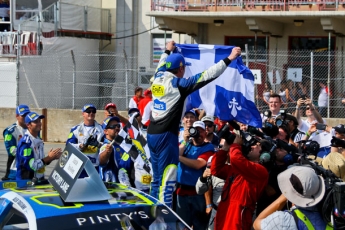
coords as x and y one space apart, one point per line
59 121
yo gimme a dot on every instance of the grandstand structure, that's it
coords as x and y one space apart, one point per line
280 34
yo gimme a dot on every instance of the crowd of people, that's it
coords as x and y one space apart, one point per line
215 174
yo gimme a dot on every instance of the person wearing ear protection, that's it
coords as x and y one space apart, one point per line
245 180
280 159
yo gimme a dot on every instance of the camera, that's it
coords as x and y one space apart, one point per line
270 129
337 142
248 140
309 147
267 113
110 114
281 121
193 132
320 126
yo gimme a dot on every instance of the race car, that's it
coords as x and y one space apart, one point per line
68 202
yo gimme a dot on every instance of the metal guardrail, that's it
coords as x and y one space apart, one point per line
236 5
63 16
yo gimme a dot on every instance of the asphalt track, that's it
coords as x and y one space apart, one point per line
47 147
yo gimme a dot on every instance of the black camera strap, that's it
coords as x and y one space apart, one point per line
226 190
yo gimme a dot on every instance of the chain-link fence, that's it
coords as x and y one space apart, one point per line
70 80
318 75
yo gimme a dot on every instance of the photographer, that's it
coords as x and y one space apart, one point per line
311 113
305 189
193 157
280 160
335 161
214 186
275 103
291 124
245 181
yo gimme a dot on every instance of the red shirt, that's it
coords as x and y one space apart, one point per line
235 211
137 100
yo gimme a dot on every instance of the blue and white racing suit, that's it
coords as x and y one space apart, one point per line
82 132
168 95
30 152
12 135
118 167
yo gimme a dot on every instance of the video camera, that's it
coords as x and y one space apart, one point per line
333 205
281 121
248 140
337 142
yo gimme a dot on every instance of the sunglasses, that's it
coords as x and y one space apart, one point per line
209 125
117 126
307 108
90 111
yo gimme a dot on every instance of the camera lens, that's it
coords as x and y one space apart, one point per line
193 132
279 122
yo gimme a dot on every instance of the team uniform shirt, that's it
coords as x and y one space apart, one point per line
145 108
118 167
169 93
134 102
12 135
30 152
80 133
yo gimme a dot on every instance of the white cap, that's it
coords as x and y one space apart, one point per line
208 118
199 124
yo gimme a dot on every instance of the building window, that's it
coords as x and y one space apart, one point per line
158 47
259 46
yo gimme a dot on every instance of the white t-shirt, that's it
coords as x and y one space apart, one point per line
323 98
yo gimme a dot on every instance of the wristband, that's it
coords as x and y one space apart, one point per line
297 108
184 142
209 206
307 134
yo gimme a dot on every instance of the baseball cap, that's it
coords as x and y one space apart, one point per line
87 106
335 162
175 61
147 92
340 129
208 118
109 119
301 186
107 106
200 124
22 109
32 116
133 110
192 111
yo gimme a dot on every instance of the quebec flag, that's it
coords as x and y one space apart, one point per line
230 96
